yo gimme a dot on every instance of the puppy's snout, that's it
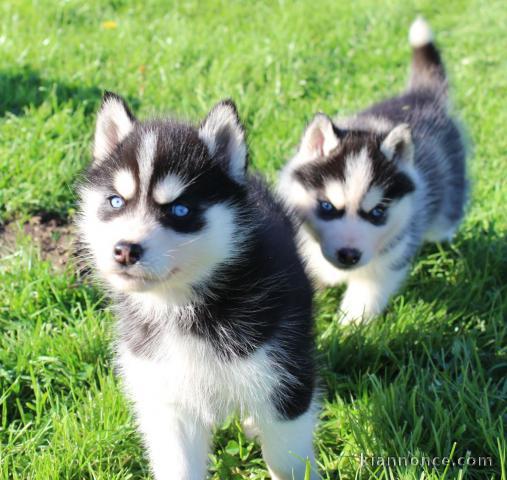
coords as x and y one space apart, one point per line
126 253
348 256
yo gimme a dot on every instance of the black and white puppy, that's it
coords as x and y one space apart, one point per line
213 307
370 189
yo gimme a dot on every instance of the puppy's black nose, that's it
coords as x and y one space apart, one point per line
348 256
126 253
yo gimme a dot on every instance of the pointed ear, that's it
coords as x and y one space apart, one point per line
398 145
114 122
224 135
320 137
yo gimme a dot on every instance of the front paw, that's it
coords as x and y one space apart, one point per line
351 314
355 311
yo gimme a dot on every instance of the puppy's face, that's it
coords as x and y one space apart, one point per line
352 189
161 203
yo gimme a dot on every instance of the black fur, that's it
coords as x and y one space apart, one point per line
386 173
428 71
261 297
179 151
431 127
114 96
438 176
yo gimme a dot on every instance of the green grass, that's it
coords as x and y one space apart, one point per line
426 379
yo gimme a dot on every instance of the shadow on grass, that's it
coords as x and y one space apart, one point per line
24 87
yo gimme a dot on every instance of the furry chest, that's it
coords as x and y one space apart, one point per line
188 374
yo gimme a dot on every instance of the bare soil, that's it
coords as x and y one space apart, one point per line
54 236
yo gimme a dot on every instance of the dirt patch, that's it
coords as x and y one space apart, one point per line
55 238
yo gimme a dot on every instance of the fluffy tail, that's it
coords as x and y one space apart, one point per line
427 72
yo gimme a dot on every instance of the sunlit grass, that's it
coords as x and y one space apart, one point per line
426 379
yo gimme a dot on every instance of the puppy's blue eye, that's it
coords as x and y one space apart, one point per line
179 210
116 201
378 212
327 211
326 206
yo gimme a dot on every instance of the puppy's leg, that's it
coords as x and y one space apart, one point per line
367 296
177 443
287 446
441 231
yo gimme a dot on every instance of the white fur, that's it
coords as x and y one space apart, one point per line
350 192
368 288
182 387
399 141
186 390
368 292
335 193
222 118
357 179
386 249
420 33
170 258
177 444
168 189
441 231
146 158
287 446
125 184
297 196
372 281
319 268
372 198
113 125
187 374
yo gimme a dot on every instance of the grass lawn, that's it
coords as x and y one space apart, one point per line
427 379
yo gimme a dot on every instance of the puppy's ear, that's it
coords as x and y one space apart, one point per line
224 135
114 122
320 137
398 145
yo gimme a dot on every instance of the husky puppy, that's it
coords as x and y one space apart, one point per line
370 189
214 310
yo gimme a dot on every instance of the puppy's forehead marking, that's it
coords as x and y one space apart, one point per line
373 197
335 192
168 189
353 190
125 184
358 176
146 158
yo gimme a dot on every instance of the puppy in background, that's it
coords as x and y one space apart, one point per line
372 188
213 306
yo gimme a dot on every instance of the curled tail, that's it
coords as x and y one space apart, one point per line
427 72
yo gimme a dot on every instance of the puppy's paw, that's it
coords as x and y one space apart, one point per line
250 428
355 309
353 314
